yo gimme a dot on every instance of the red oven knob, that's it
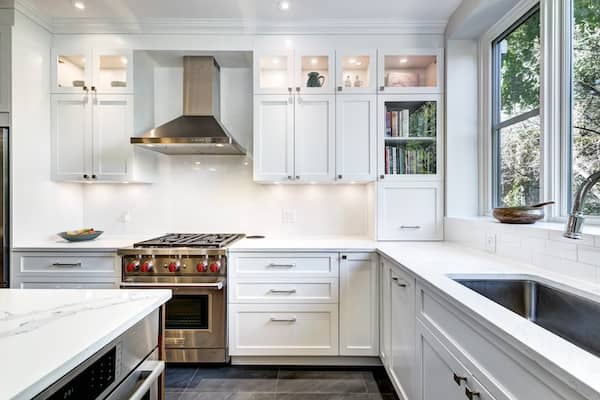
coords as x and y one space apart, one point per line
201 267
215 267
173 267
132 266
146 267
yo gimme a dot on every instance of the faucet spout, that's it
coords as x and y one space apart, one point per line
576 218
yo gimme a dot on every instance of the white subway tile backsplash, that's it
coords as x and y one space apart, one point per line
563 250
534 243
558 236
588 255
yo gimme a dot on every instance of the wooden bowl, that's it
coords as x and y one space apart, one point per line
520 215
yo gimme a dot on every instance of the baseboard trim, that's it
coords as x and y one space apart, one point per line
299 360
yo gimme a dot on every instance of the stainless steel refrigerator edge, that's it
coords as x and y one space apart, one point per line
4 214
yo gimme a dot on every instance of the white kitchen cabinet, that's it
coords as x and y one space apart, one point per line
356 71
273 71
385 312
314 138
294 138
410 71
283 329
410 211
401 361
5 67
359 305
356 138
76 70
314 71
90 140
273 138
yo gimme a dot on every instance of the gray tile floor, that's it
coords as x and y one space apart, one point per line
277 383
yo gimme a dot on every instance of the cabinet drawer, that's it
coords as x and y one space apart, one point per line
285 264
62 263
323 290
283 329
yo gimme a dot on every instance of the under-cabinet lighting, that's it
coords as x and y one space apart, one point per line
211 169
220 145
124 60
352 182
284 5
245 162
404 60
197 162
78 4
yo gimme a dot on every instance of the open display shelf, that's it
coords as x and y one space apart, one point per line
410 138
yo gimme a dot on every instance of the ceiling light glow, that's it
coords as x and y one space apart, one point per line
403 60
314 61
78 4
352 61
284 5
124 60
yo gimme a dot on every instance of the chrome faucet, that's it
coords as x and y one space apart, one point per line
576 218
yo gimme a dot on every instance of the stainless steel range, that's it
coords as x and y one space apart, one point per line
194 267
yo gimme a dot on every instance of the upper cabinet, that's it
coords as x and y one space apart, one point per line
356 71
281 72
99 71
5 66
410 71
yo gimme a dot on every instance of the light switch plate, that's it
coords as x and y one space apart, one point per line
288 216
490 242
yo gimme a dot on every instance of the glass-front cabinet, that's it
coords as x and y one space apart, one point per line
314 72
273 72
101 71
410 71
410 137
356 71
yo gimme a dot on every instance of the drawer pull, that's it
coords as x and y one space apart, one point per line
400 283
275 265
410 227
471 394
67 265
274 319
290 291
458 379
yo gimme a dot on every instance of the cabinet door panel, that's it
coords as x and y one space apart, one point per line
402 351
113 126
385 323
273 138
113 71
355 138
5 65
71 137
71 70
359 305
314 137
410 211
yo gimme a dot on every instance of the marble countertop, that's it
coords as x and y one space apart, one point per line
325 243
46 333
104 243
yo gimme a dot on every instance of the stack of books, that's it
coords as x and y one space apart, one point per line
400 160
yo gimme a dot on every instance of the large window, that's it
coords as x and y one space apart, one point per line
585 98
516 124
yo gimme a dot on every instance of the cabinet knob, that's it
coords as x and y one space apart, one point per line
85 88
289 177
85 176
290 89
93 176
344 257
381 88
297 176
339 176
339 88
471 394
297 88
381 176
458 379
93 88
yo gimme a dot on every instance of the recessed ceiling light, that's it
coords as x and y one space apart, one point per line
314 61
78 4
284 5
352 61
276 61
403 60
124 60
358 63
212 169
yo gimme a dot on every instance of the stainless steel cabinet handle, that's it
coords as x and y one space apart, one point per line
275 265
274 319
410 227
398 282
67 265
282 291
458 379
471 394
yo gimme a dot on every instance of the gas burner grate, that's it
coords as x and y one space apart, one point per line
204 240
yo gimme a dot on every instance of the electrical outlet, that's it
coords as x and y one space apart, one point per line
288 216
490 242
126 217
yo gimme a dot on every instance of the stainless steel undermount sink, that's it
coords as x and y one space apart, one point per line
572 317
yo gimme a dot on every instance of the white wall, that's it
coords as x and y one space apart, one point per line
40 207
461 128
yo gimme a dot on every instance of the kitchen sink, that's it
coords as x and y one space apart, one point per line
572 317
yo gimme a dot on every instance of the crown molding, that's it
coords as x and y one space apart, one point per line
28 9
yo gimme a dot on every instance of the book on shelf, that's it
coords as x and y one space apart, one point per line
388 123
405 122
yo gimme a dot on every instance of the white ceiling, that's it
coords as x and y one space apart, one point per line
408 10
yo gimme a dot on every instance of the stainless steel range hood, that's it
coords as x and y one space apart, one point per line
199 130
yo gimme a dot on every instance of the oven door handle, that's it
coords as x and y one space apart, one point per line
153 369
216 285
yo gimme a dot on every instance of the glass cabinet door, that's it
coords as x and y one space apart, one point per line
355 72
314 72
113 71
70 71
415 71
273 73
410 137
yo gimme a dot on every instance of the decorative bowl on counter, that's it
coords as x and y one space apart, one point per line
520 215
80 235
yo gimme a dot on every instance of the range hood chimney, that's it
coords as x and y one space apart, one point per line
199 130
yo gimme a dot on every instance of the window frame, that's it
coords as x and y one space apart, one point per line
496 102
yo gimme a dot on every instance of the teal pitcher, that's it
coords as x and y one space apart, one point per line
315 80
